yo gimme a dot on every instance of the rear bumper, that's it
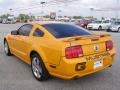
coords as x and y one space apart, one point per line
66 69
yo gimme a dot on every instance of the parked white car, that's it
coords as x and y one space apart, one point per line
115 26
99 25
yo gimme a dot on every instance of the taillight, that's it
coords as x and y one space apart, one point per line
73 52
109 45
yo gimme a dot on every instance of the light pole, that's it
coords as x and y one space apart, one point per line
0 12
30 16
42 11
117 11
11 10
91 10
59 13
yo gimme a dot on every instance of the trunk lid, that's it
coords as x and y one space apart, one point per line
91 44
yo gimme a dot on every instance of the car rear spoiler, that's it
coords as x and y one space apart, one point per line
93 37
102 35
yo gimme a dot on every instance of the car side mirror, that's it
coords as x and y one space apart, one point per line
15 32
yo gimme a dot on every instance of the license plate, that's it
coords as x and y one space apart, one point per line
98 64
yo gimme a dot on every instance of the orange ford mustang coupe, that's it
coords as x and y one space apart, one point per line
62 50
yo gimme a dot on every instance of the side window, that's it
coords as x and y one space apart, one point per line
38 33
25 30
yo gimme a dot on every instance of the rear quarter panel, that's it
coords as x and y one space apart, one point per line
49 48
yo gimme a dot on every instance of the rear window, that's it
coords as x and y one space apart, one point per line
65 30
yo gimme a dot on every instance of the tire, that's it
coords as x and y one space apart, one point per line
38 68
7 49
108 30
100 28
119 29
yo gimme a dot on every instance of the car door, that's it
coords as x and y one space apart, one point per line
22 41
106 24
14 41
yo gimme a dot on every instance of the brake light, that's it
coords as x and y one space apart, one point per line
109 45
73 52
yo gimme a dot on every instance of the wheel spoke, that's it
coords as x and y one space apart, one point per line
36 67
6 48
38 74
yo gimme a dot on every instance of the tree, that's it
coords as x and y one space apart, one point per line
46 16
5 16
77 17
23 17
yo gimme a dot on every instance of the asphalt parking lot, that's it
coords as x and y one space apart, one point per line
16 75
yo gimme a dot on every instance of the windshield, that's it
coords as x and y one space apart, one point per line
97 22
65 30
10 19
107 21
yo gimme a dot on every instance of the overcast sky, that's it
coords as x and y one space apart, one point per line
67 7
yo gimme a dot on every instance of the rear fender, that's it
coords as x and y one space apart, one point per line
40 52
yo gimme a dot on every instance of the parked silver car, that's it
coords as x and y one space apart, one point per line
115 26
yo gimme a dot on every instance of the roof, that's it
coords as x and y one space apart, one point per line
48 22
